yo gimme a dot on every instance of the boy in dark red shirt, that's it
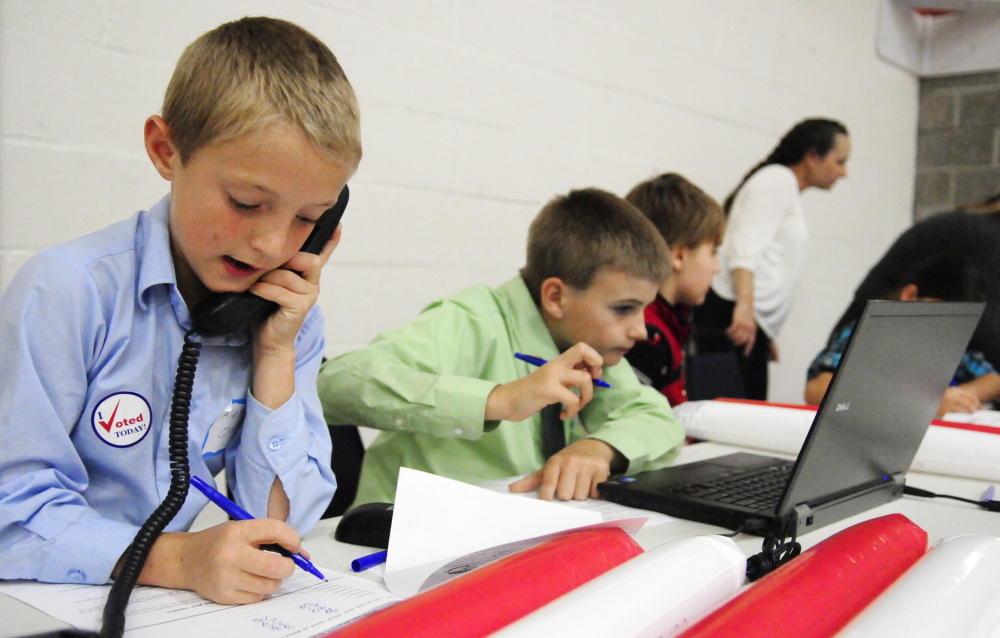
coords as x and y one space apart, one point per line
692 223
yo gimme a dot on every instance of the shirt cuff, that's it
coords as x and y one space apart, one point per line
269 437
269 444
637 451
746 263
630 449
459 407
87 551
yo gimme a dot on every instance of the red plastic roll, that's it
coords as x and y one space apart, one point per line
493 596
818 593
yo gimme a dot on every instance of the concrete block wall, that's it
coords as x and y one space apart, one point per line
474 114
958 146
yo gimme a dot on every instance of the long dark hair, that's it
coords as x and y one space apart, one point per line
816 135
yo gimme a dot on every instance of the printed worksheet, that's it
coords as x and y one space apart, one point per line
303 607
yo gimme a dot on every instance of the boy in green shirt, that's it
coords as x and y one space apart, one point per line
453 400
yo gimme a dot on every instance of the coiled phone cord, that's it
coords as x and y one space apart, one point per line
113 625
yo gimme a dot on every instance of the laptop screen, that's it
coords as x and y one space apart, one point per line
883 396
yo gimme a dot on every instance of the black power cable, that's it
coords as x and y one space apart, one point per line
773 552
992 506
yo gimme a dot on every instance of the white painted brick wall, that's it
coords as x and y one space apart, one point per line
475 113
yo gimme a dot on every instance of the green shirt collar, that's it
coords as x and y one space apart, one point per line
524 320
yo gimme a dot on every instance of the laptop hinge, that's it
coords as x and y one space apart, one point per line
899 478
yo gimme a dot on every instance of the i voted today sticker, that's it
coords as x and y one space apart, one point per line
122 419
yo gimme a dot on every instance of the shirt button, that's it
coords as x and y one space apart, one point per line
275 444
459 431
398 422
76 576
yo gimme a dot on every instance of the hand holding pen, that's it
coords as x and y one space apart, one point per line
237 512
538 361
553 382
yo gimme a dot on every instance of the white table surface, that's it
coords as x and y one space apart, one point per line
939 517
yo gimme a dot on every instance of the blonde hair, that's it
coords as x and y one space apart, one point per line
683 213
577 234
254 73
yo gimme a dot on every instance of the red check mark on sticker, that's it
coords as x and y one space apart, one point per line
107 424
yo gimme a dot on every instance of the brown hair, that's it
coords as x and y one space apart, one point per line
683 213
577 234
253 73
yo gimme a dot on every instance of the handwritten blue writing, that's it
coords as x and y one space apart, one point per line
269 622
316 608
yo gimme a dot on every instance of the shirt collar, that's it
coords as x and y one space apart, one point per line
679 311
524 320
156 268
156 264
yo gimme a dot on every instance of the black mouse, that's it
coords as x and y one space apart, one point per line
367 524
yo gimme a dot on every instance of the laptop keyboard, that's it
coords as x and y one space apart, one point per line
757 488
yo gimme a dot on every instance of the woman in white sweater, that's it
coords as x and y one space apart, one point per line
765 247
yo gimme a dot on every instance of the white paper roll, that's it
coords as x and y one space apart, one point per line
952 591
944 450
764 427
957 452
656 594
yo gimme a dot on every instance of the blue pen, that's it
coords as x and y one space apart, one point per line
240 514
537 361
369 561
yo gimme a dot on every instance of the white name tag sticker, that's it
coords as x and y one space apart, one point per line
222 431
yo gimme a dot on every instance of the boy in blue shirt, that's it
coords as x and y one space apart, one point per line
259 134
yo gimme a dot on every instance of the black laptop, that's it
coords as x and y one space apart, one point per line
883 396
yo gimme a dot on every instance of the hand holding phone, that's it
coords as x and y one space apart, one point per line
223 313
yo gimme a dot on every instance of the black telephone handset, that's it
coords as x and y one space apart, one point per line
223 313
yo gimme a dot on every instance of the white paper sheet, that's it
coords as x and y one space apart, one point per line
303 607
952 591
655 595
979 417
609 511
944 450
437 521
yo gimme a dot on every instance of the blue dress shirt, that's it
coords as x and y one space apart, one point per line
90 333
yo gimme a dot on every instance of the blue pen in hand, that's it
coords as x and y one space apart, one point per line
240 514
537 361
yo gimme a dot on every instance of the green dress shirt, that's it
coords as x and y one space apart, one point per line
426 386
